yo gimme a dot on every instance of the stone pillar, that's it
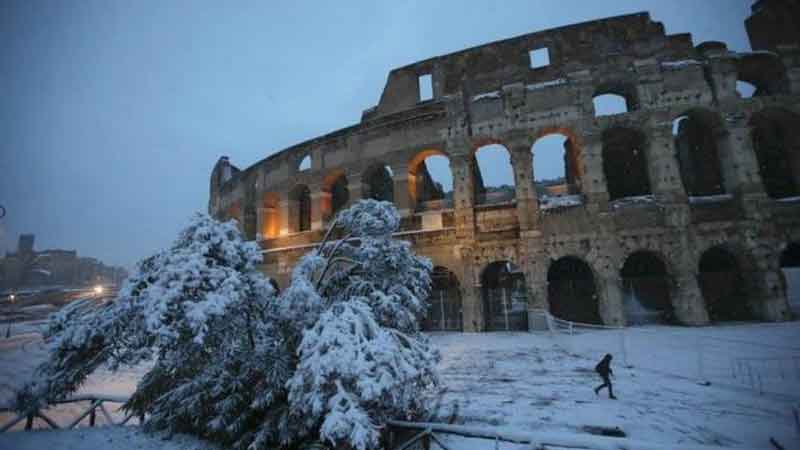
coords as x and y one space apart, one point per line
288 220
593 180
527 202
688 303
768 287
610 304
471 304
463 195
740 169
662 162
402 198
535 266
721 69
790 56
320 206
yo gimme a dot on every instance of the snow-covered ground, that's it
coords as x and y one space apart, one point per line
538 382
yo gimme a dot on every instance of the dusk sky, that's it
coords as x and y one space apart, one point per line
114 112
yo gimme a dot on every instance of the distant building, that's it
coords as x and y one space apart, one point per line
54 267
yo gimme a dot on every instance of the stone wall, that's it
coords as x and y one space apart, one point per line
693 148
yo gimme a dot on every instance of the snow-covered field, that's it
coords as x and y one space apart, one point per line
538 382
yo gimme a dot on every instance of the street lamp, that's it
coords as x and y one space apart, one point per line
98 290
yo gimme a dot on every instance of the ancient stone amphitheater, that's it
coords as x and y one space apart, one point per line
682 207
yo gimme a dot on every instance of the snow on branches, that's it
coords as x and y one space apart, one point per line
331 359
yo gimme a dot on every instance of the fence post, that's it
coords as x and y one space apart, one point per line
92 415
29 421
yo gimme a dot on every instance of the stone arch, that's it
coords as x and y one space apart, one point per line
614 98
723 285
790 271
270 215
764 71
698 135
304 162
504 296
492 174
378 183
775 134
337 193
572 291
625 163
445 308
560 173
424 191
300 209
647 288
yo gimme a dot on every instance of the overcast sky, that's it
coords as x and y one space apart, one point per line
114 112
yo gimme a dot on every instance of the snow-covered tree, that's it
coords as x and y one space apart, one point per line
329 360
363 360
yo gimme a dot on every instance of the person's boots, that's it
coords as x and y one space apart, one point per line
597 391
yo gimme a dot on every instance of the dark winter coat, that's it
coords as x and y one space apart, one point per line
604 367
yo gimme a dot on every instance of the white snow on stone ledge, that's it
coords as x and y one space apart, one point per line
680 64
492 95
559 201
635 200
710 198
789 199
546 84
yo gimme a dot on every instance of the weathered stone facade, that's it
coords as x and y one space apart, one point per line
694 180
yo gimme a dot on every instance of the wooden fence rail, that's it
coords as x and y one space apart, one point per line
95 402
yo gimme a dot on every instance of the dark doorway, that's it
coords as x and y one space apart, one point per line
378 183
444 304
625 163
698 153
505 297
723 286
646 290
571 291
790 268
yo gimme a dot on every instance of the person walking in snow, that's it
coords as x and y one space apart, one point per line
603 368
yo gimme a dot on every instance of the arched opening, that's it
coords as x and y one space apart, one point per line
270 215
776 142
505 297
609 104
723 286
697 147
300 209
493 177
337 194
444 304
790 267
430 181
305 163
614 98
646 289
378 183
625 163
745 89
556 169
571 291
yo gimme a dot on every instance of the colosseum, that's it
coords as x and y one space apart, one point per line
682 207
